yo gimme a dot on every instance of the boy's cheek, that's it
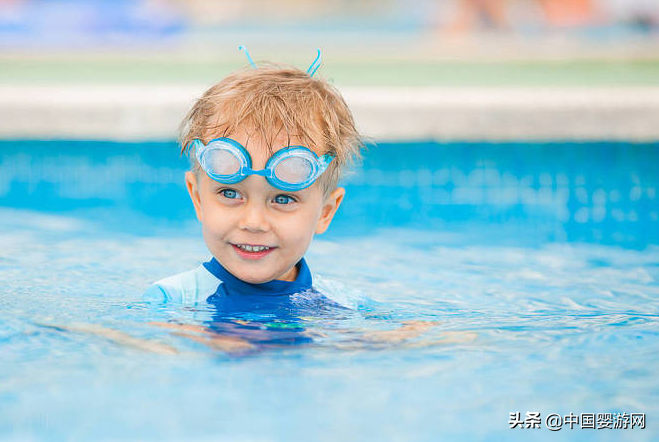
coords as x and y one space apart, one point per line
213 240
213 222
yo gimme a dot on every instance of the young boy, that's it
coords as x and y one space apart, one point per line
267 147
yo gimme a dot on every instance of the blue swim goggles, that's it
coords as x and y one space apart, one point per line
291 168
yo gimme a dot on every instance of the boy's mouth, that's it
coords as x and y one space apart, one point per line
252 251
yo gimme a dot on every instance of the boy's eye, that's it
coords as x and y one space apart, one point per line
283 199
229 193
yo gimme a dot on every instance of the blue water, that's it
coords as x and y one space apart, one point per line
536 266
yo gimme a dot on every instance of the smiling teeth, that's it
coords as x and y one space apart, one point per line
248 248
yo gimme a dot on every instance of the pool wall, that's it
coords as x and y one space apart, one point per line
504 113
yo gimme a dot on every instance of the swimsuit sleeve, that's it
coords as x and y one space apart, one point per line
155 293
188 288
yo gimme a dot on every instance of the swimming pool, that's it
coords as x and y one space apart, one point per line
539 261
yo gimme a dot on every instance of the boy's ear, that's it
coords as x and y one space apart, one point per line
193 190
332 203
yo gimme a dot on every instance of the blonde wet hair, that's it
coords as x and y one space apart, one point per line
271 100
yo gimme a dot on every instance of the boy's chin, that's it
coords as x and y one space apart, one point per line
252 277
256 277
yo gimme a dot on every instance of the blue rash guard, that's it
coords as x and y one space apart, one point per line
212 283
266 315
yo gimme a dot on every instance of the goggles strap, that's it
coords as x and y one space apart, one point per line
249 58
315 64
312 69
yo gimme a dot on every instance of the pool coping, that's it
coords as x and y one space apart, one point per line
153 112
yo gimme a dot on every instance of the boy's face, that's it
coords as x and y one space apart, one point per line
239 219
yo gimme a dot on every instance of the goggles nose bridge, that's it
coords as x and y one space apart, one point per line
263 172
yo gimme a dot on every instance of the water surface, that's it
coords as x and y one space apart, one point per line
536 265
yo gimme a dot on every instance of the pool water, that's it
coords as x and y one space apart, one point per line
533 267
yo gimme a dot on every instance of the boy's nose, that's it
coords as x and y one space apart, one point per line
254 218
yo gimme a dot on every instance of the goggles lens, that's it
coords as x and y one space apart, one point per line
294 170
222 162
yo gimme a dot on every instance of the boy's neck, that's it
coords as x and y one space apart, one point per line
290 275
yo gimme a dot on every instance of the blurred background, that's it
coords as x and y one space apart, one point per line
364 41
434 26
169 51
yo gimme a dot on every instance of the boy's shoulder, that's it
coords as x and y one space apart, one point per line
188 287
